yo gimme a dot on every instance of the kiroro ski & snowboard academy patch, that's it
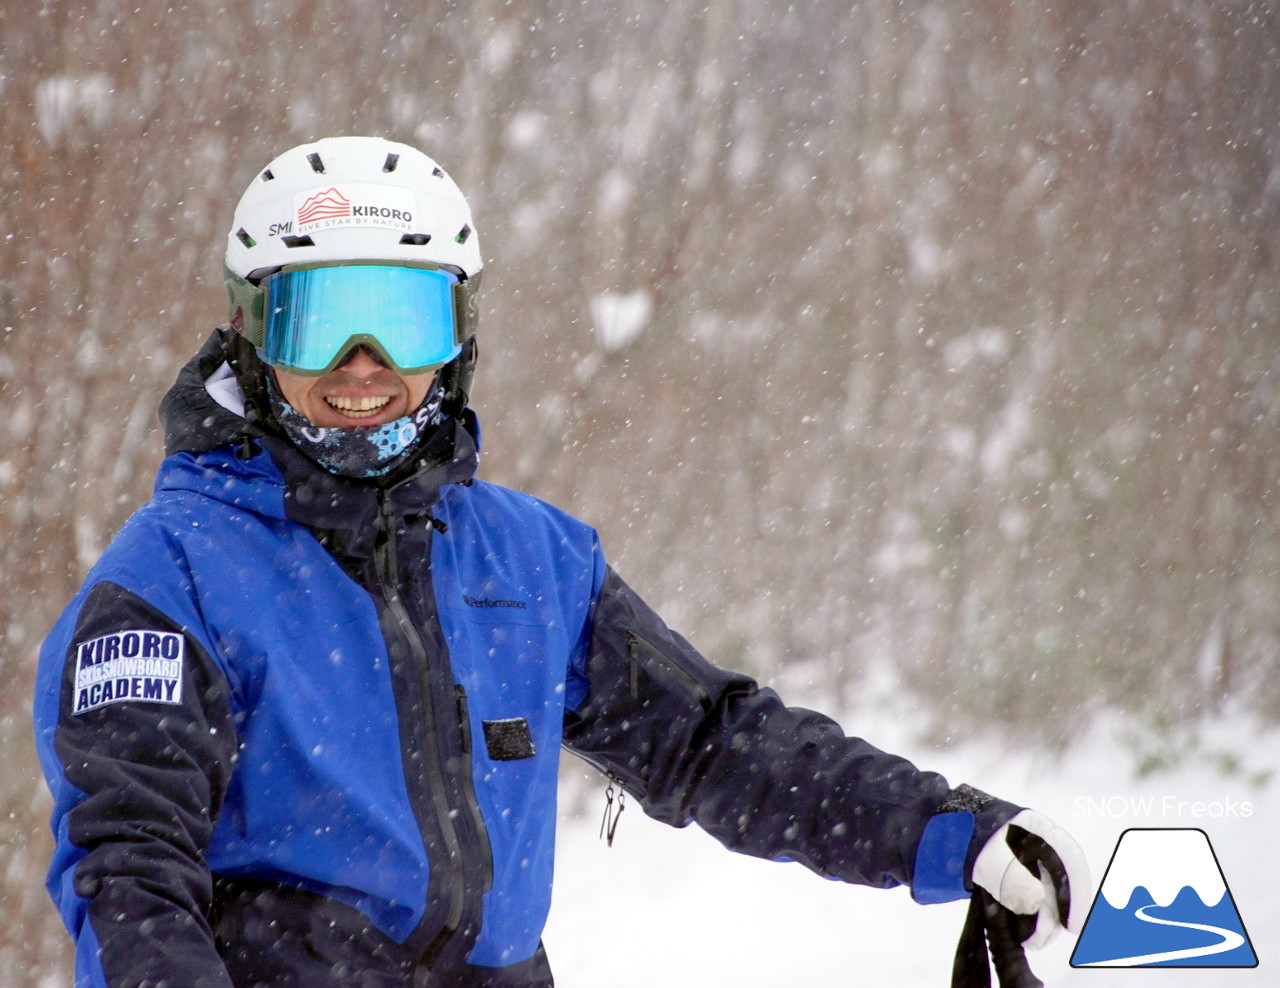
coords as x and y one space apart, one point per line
141 665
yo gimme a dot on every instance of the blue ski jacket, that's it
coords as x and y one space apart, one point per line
301 730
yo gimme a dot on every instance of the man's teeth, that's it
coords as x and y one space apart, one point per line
358 407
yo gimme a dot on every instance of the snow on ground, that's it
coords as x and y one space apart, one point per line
671 907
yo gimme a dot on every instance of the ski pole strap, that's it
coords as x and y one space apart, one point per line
988 926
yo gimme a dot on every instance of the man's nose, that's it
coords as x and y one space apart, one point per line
362 362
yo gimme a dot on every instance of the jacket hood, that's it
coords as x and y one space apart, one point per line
194 421
217 444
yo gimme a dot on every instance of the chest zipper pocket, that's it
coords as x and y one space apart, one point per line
464 718
642 653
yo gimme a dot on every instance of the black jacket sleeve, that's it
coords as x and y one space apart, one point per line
149 759
696 743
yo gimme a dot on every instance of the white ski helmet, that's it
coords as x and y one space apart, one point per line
344 199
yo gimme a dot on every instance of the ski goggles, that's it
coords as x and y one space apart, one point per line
315 316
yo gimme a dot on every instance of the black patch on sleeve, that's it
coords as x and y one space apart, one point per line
508 740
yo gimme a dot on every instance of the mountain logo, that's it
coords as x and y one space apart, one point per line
354 204
1164 903
327 205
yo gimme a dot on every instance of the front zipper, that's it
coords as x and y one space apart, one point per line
434 777
638 649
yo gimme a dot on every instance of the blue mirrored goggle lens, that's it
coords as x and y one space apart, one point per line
315 316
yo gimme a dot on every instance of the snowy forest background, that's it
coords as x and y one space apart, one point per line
929 340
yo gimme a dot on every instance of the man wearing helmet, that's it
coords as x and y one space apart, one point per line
302 722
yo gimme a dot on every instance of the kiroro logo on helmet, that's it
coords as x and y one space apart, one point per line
354 204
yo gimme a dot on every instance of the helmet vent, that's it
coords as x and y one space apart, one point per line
463 235
243 236
316 164
303 241
390 164
267 176
416 239
438 172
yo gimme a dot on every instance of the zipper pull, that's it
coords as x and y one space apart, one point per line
609 824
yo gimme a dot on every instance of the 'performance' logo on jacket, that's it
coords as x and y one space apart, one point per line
128 665
470 601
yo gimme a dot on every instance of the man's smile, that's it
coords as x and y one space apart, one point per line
358 408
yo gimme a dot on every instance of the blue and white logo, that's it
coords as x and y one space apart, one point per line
1164 903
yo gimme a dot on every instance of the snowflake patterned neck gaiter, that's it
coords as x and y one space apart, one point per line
357 452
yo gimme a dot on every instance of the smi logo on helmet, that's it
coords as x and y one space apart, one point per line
352 205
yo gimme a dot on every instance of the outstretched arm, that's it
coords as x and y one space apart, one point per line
696 743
